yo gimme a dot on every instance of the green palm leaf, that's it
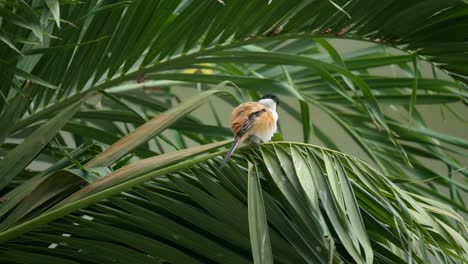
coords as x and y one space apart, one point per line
99 88
174 205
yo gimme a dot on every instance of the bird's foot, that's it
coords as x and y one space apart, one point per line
255 140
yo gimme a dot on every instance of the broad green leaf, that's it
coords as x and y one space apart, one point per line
183 124
43 191
54 8
140 168
140 242
101 251
4 38
305 176
17 159
14 111
18 194
148 131
333 206
31 257
353 213
258 224
207 222
124 218
35 79
180 234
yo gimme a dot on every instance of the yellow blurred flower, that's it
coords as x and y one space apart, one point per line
199 70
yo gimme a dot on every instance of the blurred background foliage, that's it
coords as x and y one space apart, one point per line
108 110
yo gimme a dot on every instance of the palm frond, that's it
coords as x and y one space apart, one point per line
319 209
91 89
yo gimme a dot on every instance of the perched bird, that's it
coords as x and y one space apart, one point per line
254 122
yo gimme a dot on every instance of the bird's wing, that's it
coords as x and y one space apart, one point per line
244 116
264 124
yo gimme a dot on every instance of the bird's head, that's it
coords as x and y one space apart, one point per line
271 101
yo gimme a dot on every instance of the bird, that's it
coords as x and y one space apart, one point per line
253 122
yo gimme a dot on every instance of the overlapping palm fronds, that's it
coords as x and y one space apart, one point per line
88 88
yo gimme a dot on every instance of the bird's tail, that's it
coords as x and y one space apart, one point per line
229 153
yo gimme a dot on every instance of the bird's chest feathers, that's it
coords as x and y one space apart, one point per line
266 132
275 116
